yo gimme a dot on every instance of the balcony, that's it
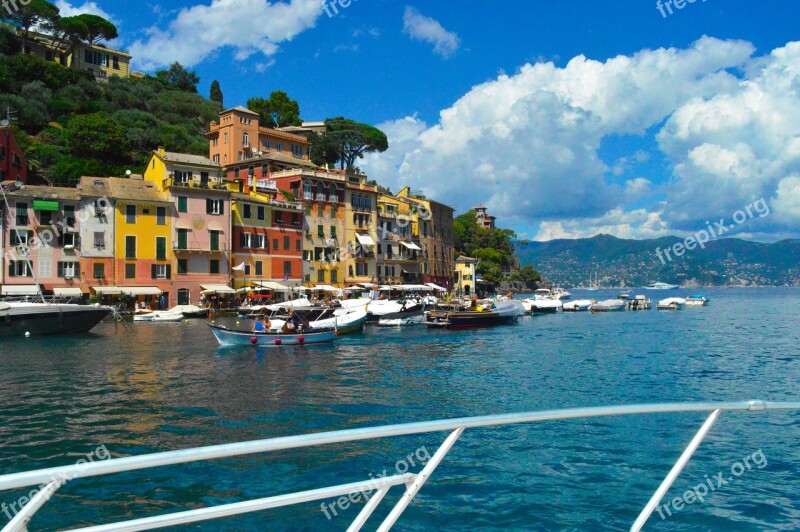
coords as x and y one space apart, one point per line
267 184
320 198
308 196
182 247
333 199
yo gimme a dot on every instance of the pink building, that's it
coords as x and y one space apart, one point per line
42 242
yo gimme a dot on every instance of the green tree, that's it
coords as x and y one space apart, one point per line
216 94
97 28
277 111
353 139
10 43
178 78
30 14
96 136
322 150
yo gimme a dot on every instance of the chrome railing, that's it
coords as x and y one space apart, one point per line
54 478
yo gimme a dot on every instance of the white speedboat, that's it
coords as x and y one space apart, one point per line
672 303
579 305
158 316
417 319
697 301
19 318
545 306
560 293
662 286
640 303
609 305
345 320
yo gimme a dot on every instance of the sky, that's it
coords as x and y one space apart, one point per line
566 119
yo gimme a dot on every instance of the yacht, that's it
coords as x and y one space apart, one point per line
21 318
662 286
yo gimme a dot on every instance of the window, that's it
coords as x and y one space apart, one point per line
99 270
21 238
333 231
130 214
334 276
275 244
216 207
183 204
321 276
362 269
99 240
130 247
247 269
262 213
130 271
68 240
22 214
213 267
116 63
182 177
225 138
184 296
19 268
183 238
295 219
286 244
203 179
246 240
298 245
45 217
160 271
259 268
69 270
287 268
321 211
45 268
161 248
246 140
279 217
247 211
214 237
161 216
321 231
261 241
183 266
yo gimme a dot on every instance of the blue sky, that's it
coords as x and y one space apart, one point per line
577 117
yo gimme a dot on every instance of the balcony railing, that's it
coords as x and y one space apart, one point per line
308 196
321 197
333 199
267 184
187 248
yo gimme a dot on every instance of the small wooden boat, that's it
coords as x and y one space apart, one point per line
505 313
229 337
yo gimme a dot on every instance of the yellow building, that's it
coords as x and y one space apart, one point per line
361 224
465 275
399 257
100 60
143 227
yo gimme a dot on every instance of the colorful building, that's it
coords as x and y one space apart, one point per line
436 238
239 137
98 59
97 220
41 233
199 249
361 217
399 257
268 227
465 275
485 220
13 165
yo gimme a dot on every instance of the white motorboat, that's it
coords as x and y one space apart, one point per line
20 317
402 322
545 306
579 305
672 303
346 320
662 286
156 316
697 301
640 303
560 293
609 305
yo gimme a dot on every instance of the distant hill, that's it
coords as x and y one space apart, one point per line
618 262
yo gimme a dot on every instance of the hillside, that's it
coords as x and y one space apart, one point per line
618 262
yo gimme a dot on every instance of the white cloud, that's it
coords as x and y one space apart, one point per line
527 145
422 28
68 10
639 224
249 27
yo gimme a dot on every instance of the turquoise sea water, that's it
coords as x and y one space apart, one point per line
154 387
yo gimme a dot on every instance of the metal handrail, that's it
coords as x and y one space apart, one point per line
55 476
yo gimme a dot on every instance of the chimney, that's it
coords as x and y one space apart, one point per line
161 151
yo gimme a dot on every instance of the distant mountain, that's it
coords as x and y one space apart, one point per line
618 262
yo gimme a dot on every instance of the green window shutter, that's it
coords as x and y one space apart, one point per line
161 248
153 272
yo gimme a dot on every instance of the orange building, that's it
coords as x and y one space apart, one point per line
239 137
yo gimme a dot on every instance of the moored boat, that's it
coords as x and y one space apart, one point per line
546 306
19 318
662 286
672 303
504 313
156 316
579 305
609 305
698 300
229 337
640 303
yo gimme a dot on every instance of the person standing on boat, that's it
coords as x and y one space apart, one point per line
262 326
293 323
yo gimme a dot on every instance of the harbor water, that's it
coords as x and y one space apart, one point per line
144 388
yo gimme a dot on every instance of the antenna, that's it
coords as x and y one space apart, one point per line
11 116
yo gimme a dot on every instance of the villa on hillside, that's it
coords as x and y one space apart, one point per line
98 59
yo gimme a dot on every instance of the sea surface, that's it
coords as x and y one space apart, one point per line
155 387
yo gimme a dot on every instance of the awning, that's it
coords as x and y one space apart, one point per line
141 291
67 291
183 224
367 285
272 285
217 289
365 240
20 290
411 245
413 288
214 226
436 287
107 290
45 205
326 288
